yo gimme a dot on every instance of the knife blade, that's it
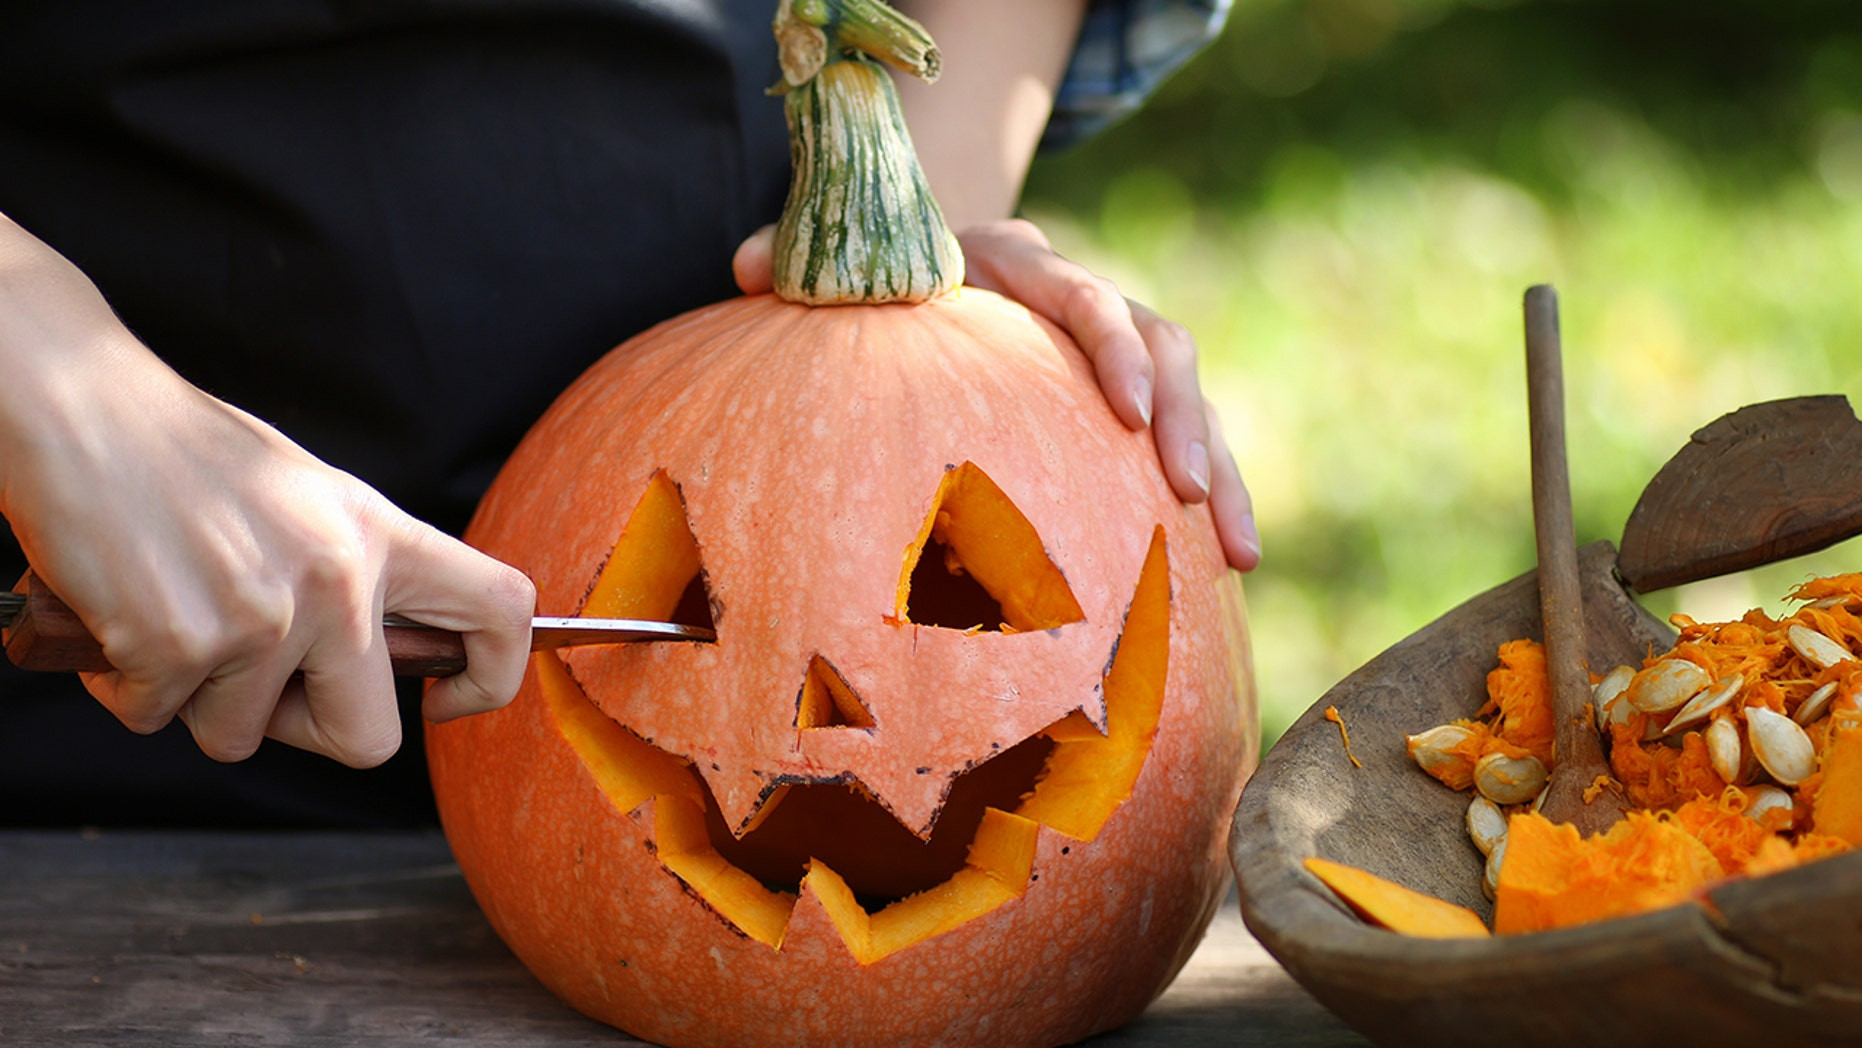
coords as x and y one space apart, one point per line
41 632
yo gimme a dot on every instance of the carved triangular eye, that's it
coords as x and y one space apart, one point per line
654 570
978 564
827 702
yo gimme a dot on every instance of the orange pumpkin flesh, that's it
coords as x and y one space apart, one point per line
891 804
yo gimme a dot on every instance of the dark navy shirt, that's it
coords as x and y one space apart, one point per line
395 229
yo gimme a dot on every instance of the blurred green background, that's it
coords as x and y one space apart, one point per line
1344 200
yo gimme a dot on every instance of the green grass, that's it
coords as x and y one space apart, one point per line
1356 296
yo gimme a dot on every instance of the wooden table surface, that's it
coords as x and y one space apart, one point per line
161 938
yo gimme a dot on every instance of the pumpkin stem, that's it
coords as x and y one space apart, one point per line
860 224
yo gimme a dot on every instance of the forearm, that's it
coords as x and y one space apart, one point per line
976 129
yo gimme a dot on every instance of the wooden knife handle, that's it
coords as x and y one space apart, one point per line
49 636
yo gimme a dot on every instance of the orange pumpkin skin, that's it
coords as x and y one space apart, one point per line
808 446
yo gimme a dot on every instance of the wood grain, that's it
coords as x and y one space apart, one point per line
319 939
1579 751
1767 482
1771 961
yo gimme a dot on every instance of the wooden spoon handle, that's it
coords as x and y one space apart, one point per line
1561 605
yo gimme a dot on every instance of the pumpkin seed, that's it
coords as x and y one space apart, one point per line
1761 799
1816 647
1781 745
1603 698
1835 601
1667 685
1486 824
1433 750
1490 876
1698 707
1814 706
1724 749
1509 780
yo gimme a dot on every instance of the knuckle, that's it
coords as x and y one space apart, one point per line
142 719
1089 297
369 751
227 747
1173 336
1021 229
334 566
514 596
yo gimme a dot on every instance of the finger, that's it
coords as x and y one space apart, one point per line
440 581
230 712
348 714
753 265
343 704
1013 258
155 673
1230 502
142 707
1182 423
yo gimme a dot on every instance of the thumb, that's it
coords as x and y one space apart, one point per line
753 265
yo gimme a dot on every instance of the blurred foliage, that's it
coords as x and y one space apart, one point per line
1344 200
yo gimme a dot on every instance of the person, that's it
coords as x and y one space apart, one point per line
280 286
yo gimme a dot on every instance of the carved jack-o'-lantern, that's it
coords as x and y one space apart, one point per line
960 762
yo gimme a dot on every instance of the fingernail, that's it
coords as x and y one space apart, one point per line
1196 460
1141 398
1251 535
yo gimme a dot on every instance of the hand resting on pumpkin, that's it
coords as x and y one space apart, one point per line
976 130
1144 362
213 557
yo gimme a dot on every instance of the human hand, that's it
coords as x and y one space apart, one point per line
211 556
1145 363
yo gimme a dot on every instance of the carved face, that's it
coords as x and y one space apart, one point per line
972 727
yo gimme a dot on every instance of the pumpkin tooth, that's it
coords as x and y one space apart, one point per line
1509 780
1703 704
1814 706
1667 685
1816 647
1486 824
1724 749
1780 745
1603 697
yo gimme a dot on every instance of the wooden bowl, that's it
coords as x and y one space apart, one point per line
1772 961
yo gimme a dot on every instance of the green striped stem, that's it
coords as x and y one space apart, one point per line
860 224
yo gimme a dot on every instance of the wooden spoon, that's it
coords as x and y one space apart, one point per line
1579 752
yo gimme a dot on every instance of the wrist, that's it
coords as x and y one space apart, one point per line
62 352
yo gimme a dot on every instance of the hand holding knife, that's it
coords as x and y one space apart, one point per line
42 633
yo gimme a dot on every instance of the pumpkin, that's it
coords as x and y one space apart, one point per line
960 762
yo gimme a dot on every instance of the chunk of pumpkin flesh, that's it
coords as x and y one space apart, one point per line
1836 810
653 561
1555 878
1085 779
988 538
1087 776
1001 861
632 772
1391 905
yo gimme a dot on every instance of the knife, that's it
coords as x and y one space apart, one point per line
42 633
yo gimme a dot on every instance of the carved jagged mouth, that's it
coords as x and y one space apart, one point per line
911 890
884 887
